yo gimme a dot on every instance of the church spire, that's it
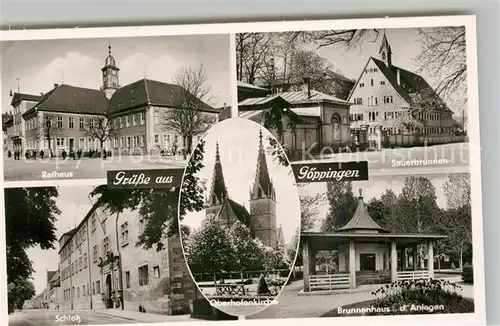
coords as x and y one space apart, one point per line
262 180
218 191
385 51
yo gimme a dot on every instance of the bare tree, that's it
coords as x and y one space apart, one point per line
349 38
252 52
444 55
101 128
187 117
48 129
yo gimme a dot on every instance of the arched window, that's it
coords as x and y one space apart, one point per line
383 55
371 82
259 193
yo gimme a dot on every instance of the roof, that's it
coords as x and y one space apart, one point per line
147 92
218 187
71 99
294 98
362 221
6 119
281 237
240 211
250 86
413 88
262 172
18 97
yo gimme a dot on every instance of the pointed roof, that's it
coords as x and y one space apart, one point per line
262 173
281 237
218 187
385 44
241 213
362 221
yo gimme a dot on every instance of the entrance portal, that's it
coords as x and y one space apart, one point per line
71 144
367 262
109 286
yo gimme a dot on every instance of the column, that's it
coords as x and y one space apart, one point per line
306 255
352 263
415 256
312 261
394 261
379 138
430 259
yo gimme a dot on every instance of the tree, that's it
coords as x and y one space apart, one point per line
457 190
309 208
101 128
48 129
378 211
20 290
252 54
443 55
349 38
187 117
277 152
193 189
391 220
210 248
30 214
342 205
159 209
246 251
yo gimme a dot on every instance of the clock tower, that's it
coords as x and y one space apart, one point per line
109 75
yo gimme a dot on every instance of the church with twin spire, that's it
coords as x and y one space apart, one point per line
261 216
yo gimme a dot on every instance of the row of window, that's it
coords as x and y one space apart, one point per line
372 83
82 291
85 290
79 265
373 100
372 116
137 119
398 130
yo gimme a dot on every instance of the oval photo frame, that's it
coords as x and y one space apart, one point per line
238 215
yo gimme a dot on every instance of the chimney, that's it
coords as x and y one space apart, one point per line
398 77
56 85
306 88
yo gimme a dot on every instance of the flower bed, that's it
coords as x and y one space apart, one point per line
410 297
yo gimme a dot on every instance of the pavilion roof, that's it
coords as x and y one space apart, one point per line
362 221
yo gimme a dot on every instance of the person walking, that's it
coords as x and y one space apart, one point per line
42 153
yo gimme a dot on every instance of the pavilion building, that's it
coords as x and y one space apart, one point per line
366 253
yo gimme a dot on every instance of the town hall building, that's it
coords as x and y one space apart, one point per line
122 119
261 218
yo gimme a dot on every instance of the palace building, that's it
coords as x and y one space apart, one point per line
394 105
261 218
100 265
122 119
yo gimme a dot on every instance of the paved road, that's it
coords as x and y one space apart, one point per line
28 170
48 317
439 157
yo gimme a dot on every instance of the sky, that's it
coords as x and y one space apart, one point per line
41 63
73 202
405 46
374 188
238 154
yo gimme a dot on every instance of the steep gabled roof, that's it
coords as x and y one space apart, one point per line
218 187
412 87
240 211
262 177
362 221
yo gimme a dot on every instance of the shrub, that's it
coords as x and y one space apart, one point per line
262 288
468 274
441 295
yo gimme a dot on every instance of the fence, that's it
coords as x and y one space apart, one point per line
329 282
412 275
209 277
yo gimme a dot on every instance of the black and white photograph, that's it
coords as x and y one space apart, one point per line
92 256
80 107
239 213
395 97
393 245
